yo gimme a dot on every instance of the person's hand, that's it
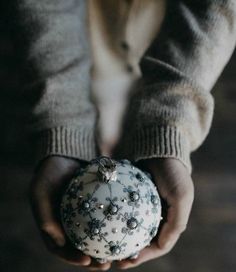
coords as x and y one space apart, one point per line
175 187
48 184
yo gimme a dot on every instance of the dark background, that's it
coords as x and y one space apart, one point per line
209 244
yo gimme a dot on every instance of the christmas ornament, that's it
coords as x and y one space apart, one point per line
111 210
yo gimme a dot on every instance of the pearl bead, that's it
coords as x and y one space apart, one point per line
134 196
114 230
96 231
113 209
100 206
115 249
132 223
86 205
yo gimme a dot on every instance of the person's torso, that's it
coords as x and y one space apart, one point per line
121 31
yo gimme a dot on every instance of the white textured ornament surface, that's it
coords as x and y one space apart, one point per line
113 219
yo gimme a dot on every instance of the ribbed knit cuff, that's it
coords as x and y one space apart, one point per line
158 142
65 141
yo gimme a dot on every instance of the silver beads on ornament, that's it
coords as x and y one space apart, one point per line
113 209
132 223
134 196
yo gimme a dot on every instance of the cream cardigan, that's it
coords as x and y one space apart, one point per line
120 33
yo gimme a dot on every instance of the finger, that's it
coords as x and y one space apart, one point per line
177 218
45 215
51 230
72 256
55 240
52 234
177 190
65 252
151 252
95 266
145 255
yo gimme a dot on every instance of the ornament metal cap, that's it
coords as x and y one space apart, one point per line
106 169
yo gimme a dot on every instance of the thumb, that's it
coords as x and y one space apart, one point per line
53 234
45 194
46 216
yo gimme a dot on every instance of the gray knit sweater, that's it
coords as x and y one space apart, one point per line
170 109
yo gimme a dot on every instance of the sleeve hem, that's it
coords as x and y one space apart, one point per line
158 142
70 142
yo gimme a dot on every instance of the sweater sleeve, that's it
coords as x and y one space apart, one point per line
55 77
170 108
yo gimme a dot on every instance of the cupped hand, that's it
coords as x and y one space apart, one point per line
48 183
175 187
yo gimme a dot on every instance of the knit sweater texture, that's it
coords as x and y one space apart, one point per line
169 109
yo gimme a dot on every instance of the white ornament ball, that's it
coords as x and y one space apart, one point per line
111 210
